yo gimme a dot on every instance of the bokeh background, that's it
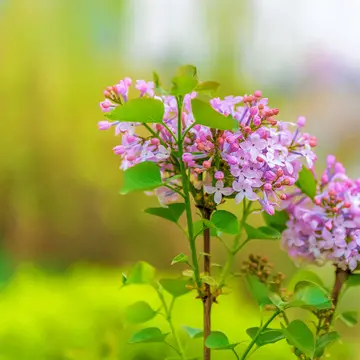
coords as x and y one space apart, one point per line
65 232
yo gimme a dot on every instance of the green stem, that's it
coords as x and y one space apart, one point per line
185 179
236 355
253 342
168 310
187 130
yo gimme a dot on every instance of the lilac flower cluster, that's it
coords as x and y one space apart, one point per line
328 228
257 161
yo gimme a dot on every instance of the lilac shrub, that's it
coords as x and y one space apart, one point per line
195 151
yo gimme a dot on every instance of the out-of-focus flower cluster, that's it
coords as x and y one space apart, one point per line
258 160
328 228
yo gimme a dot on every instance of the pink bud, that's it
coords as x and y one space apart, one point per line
258 93
207 164
339 168
268 187
329 225
219 175
279 172
119 150
347 205
269 209
254 110
155 141
275 111
257 120
324 179
107 93
247 129
313 141
221 141
131 157
283 196
158 127
197 127
131 138
301 121
104 125
330 160
187 157
259 159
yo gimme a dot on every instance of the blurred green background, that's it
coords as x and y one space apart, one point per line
65 232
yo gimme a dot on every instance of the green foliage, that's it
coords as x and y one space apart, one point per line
259 291
141 273
148 335
305 275
350 318
308 294
324 341
194 333
217 340
352 281
143 176
175 287
262 233
207 87
306 182
205 115
142 110
225 221
139 312
299 335
172 212
268 336
185 80
276 221
181 258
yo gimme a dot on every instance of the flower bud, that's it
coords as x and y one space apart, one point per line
187 157
258 93
104 125
155 141
301 121
207 164
254 110
283 196
219 175
268 187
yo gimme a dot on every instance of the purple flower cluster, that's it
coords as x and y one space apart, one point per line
328 228
257 161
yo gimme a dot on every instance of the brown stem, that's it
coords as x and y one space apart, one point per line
340 277
207 299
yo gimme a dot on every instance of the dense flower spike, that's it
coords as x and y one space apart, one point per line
258 160
328 228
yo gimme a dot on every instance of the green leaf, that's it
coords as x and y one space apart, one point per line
200 225
350 318
175 287
141 273
306 182
268 336
305 275
299 335
353 280
181 258
205 115
188 273
193 332
324 341
309 294
207 87
143 176
148 335
277 221
142 110
259 291
262 233
277 301
209 280
139 312
172 212
218 341
156 80
225 221
185 80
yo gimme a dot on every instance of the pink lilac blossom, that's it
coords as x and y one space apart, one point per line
258 161
328 228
